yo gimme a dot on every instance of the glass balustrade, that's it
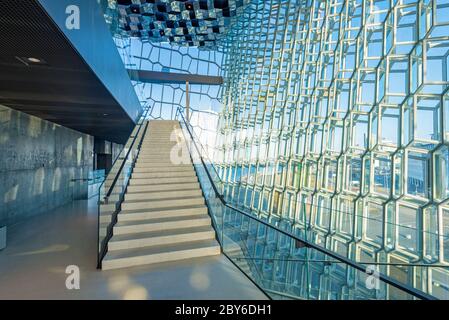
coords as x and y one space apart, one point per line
280 259
112 190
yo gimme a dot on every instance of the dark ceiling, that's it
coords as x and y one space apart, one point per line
63 89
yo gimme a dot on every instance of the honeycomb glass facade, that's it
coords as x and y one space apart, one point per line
335 126
165 99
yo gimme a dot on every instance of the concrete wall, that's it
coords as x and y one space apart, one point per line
38 162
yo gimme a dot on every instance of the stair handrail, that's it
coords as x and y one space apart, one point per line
217 193
143 117
409 290
102 247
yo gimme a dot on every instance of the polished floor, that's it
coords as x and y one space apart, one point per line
33 266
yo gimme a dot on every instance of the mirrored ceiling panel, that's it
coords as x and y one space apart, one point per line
199 23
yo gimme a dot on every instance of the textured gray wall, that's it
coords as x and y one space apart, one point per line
38 161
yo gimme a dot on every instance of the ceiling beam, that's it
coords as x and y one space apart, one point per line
172 77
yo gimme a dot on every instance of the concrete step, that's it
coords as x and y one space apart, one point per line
157 204
157 153
163 187
135 215
157 238
157 254
152 156
163 162
145 182
155 157
152 146
165 159
167 174
160 163
106 218
170 136
169 223
160 168
161 133
168 165
155 134
162 146
163 122
109 207
165 140
148 151
103 227
163 195
163 128
165 137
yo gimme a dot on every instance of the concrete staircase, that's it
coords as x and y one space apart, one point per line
163 216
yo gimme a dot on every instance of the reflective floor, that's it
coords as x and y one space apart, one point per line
34 263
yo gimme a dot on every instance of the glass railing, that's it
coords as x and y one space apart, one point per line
281 264
97 176
112 190
398 256
95 179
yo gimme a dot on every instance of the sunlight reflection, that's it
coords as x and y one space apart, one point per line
5 114
123 286
34 127
68 152
136 293
199 280
4 137
56 180
79 150
57 270
49 249
11 194
38 181
118 283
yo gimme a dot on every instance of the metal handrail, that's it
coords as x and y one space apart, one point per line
102 252
126 157
412 291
